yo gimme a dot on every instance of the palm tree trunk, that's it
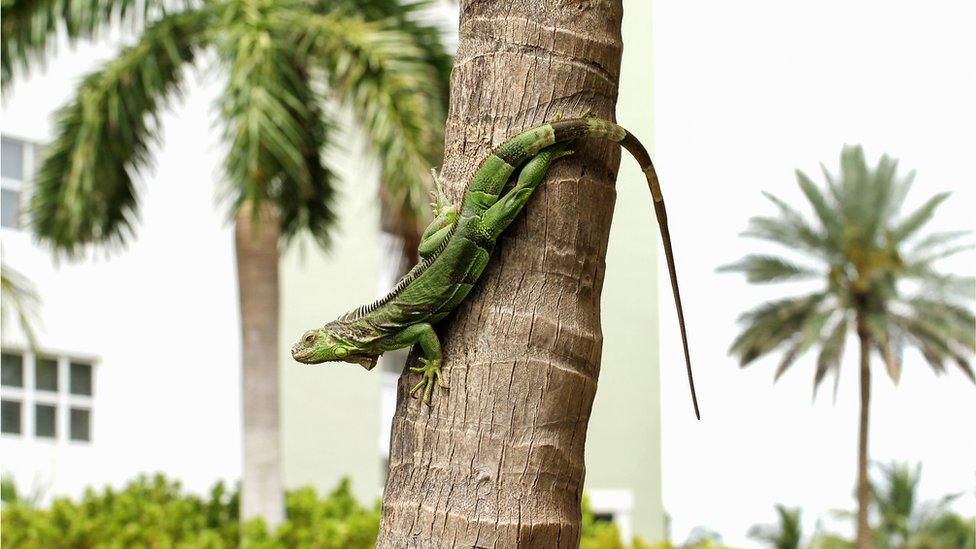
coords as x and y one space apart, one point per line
498 459
863 488
256 243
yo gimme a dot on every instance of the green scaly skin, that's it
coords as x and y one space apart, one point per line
456 248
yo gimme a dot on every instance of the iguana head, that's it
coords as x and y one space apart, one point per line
331 344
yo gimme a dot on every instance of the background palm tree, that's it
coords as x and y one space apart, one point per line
282 60
903 521
18 299
879 280
785 534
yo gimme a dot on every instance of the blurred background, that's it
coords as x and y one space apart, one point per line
135 365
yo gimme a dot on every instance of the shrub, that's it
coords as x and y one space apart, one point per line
155 512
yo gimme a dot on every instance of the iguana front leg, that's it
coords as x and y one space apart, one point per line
423 334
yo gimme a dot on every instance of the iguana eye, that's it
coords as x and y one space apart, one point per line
309 339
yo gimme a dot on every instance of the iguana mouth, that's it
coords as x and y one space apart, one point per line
302 355
366 361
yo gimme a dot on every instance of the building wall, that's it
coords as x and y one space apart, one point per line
177 408
623 446
157 319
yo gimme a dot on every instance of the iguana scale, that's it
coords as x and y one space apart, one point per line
456 248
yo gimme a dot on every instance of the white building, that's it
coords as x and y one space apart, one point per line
155 326
137 368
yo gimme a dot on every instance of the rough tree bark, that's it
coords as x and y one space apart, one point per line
497 461
257 280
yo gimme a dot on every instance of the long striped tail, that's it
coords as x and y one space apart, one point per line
526 144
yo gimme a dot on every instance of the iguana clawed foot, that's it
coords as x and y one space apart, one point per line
432 375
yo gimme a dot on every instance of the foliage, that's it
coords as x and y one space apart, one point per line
282 59
154 512
786 534
596 533
9 493
901 521
879 275
17 298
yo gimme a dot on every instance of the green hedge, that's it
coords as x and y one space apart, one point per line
155 512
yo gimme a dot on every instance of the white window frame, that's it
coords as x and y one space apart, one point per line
29 163
63 400
618 503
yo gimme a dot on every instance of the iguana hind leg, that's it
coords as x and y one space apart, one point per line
501 214
445 214
437 231
425 337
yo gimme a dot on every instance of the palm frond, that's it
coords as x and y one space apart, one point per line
895 499
786 534
773 324
18 299
766 268
829 219
30 28
916 219
273 122
937 239
831 351
887 341
857 192
807 336
940 284
953 321
380 72
790 229
410 17
936 346
84 189
932 254
309 204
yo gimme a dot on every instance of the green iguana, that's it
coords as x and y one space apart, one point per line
457 246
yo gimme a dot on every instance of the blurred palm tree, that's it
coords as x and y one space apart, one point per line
880 281
18 299
786 534
282 60
905 522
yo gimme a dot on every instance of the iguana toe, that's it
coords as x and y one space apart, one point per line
430 376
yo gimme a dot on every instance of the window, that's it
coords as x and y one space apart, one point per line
12 370
81 383
47 397
45 421
16 169
12 159
80 424
46 374
10 417
614 505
